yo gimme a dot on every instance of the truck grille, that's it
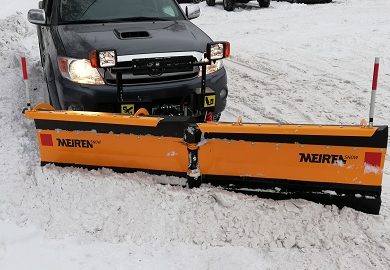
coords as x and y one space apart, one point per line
148 70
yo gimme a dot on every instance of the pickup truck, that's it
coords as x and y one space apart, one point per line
155 45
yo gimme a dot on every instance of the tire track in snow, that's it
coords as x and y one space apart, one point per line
307 95
255 95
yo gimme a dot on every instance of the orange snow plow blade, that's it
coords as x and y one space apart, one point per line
115 141
341 165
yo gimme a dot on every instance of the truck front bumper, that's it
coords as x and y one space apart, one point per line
104 97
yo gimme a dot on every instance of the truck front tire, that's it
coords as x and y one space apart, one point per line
228 5
264 3
210 2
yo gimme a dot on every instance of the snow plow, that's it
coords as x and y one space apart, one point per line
340 165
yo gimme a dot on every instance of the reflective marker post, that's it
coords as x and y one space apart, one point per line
25 78
373 93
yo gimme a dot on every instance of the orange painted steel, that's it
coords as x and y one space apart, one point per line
41 112
324 130
283 161
219 157
113 150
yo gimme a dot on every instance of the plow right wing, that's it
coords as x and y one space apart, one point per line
298 161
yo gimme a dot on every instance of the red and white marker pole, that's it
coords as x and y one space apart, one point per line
373 93
25 78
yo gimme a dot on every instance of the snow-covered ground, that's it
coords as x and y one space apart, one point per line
290 63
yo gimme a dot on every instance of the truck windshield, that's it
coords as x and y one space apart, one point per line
85 11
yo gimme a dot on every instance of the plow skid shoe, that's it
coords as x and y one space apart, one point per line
341 165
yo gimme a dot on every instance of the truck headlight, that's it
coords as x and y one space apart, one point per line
218 50
79 71
212 68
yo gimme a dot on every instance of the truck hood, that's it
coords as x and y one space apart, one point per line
132 38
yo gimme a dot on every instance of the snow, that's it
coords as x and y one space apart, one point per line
291 63
23 247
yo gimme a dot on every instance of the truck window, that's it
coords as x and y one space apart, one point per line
115 10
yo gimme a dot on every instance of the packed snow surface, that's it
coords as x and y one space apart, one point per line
291 63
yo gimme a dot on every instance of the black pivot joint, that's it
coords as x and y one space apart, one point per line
192 137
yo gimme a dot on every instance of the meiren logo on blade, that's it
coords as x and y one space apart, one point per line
325 158
47 140
75 143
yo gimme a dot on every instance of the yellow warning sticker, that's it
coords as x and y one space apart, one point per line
209 101
127 108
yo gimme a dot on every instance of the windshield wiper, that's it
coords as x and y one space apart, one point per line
86 10
135 19
83 21
139 19
132 19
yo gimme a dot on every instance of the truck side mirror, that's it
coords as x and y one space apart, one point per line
192 12
218 50
37 16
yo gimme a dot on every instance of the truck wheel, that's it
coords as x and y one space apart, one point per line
228 5
264 3
210 2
